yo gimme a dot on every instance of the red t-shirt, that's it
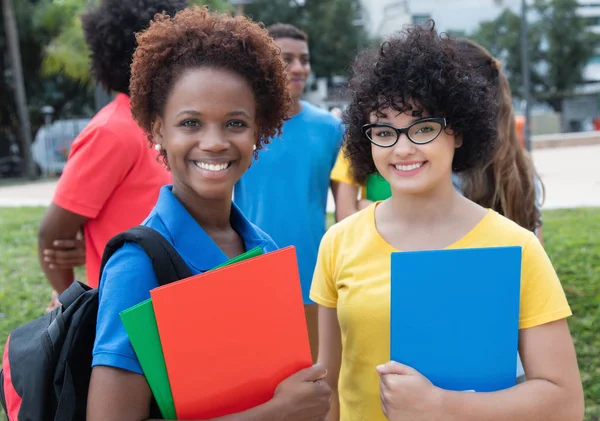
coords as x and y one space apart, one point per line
112 176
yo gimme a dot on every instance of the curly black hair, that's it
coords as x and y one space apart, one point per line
109 31
196 37
421 67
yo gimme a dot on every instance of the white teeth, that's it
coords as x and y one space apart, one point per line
408 167
211 167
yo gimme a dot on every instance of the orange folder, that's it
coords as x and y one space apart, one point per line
230 336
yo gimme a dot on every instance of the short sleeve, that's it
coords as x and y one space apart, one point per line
98 162
341 170
543 299
126 281
323 290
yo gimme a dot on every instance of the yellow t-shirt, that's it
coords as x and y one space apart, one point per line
341 173
353 275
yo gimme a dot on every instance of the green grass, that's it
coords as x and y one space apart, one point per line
571 238
24 292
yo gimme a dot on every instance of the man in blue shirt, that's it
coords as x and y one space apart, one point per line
285 190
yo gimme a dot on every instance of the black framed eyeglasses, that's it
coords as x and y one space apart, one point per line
419 132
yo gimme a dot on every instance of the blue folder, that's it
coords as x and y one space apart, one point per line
455 315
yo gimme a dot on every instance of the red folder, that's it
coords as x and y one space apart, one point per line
230 336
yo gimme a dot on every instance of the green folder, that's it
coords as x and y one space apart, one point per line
140 325
377 188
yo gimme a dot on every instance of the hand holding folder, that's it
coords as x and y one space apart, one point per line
455 316
230 336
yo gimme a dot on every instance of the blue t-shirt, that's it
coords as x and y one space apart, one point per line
128 276
285 191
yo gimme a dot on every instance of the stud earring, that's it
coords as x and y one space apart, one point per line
254 148
157 146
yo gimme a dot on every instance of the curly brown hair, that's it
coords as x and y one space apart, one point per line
196 37
418 66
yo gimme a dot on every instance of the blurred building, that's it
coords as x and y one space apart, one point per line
383 17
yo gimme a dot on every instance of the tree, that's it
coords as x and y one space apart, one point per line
570 46
333 27
68 98
67 53
560 46
12 37
502 38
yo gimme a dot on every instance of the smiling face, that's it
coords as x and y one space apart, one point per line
208 129
408 167
296 56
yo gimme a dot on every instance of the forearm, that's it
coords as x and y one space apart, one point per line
330 356
334 410
58 224
534 400
59 279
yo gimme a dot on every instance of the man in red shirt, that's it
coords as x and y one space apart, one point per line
112 177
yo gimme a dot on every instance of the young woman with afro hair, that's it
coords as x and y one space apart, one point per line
419 112
209 90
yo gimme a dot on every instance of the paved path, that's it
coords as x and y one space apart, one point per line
571 176
33 194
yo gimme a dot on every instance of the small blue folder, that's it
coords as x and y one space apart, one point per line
455 315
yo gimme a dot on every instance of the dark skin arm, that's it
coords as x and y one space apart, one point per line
59 224
301 397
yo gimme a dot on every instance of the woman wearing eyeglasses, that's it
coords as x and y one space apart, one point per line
420 112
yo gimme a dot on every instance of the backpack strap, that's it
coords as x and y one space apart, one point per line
167 263
72 293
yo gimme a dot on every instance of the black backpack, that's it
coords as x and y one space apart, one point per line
46 366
